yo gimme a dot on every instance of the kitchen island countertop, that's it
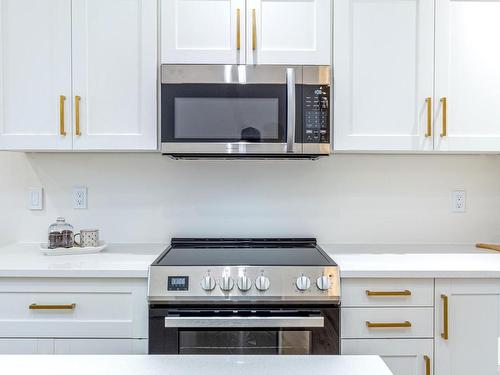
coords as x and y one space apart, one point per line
192 365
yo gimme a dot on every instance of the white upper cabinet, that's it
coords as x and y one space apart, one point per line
114 74
468 75
289 32
203 31
383 74
35 74
78 75
245 32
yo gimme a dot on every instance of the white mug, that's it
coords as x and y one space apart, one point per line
88 238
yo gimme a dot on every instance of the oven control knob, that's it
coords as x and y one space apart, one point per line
226 283
323 283
303 283
208 283
262 283
244 284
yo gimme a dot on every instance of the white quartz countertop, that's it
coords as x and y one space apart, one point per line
132 261
192 365
415 261
129 261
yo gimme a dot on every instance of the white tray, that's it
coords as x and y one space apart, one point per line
73 250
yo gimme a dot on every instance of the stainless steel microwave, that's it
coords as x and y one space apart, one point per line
233 111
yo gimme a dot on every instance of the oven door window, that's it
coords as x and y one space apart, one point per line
245 342
224 113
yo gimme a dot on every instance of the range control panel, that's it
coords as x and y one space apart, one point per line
316 114
175 283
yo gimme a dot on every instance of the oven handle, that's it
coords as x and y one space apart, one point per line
244 322
291 110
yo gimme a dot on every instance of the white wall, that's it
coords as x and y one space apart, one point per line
341 199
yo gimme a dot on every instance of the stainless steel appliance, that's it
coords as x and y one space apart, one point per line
244 296
245 111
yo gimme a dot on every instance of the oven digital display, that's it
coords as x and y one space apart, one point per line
178 283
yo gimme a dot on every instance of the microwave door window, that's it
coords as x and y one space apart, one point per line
227 119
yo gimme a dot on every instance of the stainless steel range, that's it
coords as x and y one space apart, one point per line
244 296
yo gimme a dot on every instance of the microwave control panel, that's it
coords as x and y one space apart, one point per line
316 114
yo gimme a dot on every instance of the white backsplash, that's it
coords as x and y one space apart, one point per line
145 197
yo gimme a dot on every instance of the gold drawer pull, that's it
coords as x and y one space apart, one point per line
62 130
254 29
444 132
405 324
238 29
427 365
78 99
444 335
34 306
428 101
402 293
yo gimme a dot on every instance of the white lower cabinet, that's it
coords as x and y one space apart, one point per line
392 318
73 316
26 346
403 357
467 327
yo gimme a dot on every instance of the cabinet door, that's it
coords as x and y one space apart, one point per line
114 74
26 346
403 357
101 346
467 75
473 327
203 31
35 72
289 32
383 73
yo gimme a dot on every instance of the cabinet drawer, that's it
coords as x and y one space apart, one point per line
101 346
403 357
387 322
26 346
387 292
76 308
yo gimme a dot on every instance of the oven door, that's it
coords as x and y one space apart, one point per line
244 331
229 109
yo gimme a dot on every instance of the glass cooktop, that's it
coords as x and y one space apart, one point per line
254 252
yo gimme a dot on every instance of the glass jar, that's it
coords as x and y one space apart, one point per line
60 234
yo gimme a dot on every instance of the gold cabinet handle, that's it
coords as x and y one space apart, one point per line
34 306
238 29
444 131
62 130
77 115
429 117
254 29
444 335
427 365
402 293
405 324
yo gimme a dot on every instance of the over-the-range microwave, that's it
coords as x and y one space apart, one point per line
237 111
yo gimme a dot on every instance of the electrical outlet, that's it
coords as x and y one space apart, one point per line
459 200
35 199
80 198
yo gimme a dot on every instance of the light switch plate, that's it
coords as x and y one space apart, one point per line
35 199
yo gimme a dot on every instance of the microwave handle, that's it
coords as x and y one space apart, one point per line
291 110
244 322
